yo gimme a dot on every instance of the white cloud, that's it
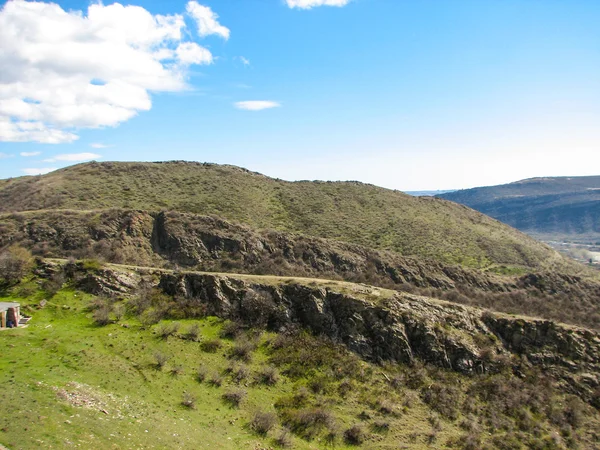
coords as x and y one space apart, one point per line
308 4
206 20
74 157
40 171
5 155
67 70
245 61
99 145
256 105
192 53
26 154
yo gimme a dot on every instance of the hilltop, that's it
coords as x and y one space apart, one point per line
551 207
351 212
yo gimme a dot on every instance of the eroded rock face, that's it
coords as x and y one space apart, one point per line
402 328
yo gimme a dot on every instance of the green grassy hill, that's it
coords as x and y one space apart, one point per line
77 378
347 211
556 207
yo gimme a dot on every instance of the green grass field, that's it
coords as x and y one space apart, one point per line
70 383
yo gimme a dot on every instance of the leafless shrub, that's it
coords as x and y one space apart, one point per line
193 332
211 345
189 400
201 373
283 439
263 422
234 397
161 359
355 435
216 380
269 376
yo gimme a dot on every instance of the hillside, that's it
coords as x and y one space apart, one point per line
192 242
553 207
130 357
346 211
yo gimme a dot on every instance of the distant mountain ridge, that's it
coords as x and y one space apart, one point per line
552 206
351 212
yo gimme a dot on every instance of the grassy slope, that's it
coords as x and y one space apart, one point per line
346 211
132 404
114 366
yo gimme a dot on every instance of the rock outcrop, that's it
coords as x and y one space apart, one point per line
379 325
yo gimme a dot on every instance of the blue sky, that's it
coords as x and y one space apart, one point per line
409 95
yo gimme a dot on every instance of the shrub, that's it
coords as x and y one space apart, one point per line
385 406
269 376
177 369
230 330
211 345
164 330
263 422
309 422
355 435
15 263
216 380
189 400
193 332
101 316
381 426
444 398
201 373
161 359
242 350
53 284
234 397
283 439
239 373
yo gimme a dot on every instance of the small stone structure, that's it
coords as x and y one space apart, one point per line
10 314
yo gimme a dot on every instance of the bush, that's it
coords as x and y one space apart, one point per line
216 380
230 330
201 373
263 422
101 316
381 426
444 398
164 330
193 332
15 263
238 373
177 369
189 400
211 345
355 435
309 422
242 350
234 397
284 439
161 359
269 376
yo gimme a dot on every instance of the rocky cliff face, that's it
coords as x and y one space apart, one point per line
212 244
377 324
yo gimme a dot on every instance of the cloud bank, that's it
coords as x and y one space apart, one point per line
64 70
308 4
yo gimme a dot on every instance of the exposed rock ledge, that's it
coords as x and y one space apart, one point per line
378 326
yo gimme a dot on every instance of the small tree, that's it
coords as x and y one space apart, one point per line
15 263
